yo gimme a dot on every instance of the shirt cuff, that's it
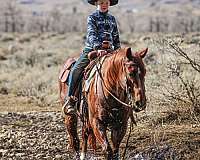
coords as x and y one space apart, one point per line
97 46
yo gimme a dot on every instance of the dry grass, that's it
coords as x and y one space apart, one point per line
12 103
31 64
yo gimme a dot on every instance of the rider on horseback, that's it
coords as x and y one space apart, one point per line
101 26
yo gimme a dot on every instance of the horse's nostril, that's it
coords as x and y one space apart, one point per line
138 103
139 106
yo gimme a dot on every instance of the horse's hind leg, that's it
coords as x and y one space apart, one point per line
71 126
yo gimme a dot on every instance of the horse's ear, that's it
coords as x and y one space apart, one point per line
143 53
129 53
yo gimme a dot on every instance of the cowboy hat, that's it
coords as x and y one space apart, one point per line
112 2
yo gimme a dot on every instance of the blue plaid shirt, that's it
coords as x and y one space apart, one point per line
101 26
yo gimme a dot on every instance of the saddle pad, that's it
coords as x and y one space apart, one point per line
88 80
92 73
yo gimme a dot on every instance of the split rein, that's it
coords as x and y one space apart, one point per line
130 97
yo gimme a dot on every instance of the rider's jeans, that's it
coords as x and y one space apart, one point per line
76 73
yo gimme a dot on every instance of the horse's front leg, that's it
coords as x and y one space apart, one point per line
87 136
84 142
116 137
100 133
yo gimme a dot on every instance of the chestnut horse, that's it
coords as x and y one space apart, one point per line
116 90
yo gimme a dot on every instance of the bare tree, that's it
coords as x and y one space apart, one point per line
12 16
56 18
182 84
180 52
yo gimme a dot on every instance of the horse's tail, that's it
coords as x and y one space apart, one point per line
60 90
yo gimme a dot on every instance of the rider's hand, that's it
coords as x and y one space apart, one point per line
102 52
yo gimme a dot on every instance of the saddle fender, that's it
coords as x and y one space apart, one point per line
66 69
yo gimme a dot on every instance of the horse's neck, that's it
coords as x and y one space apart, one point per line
114 77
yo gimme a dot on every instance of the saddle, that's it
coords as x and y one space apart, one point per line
64 73
88 72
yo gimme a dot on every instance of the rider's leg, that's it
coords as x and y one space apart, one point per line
74 79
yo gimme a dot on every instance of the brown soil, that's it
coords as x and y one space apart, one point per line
28 131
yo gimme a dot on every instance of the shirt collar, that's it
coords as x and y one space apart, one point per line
102 13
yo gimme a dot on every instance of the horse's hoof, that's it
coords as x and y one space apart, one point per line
82 157
77 156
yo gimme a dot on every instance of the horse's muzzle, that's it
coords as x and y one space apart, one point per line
139 106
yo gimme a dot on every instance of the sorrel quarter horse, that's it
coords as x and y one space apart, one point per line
115 91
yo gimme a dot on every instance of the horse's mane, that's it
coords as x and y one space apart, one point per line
114 70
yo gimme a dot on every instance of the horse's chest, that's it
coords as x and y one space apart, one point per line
114 118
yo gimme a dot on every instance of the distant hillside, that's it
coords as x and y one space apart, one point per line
123 4
70 15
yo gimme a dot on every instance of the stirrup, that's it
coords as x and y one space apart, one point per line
69 106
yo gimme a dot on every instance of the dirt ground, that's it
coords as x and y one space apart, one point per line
28 131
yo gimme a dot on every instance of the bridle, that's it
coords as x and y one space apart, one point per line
131 104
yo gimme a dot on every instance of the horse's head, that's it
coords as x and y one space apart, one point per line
135 75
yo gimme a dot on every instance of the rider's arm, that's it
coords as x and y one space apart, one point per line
115 35
92 33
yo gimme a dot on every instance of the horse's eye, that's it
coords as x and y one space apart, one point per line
132 69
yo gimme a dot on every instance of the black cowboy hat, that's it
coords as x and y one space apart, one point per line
112 2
